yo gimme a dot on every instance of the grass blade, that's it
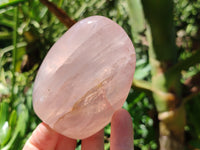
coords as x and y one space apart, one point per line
6 3
14 51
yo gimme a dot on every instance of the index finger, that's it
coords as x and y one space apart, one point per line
121 131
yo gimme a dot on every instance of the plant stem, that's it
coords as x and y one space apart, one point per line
141 84
59 13
166 87
14 51
148 88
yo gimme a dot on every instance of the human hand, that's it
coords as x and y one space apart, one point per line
44 138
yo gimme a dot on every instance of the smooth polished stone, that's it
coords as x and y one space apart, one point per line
85 77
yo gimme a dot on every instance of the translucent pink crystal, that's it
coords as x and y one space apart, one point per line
85 77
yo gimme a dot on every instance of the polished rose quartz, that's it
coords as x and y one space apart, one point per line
85 77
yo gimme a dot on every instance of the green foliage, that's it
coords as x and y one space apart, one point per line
193 130
137 20
187 20
17 117
142 110
36 31
186 15
6 3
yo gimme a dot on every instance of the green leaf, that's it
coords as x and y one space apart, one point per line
6 22
137 19
107 129
5 133
4 126
3 113
78 148
5 35
136 100
11 47
13 119
4 90
142 72
23 119
143 69
6 3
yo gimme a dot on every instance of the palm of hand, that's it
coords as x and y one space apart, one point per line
44 138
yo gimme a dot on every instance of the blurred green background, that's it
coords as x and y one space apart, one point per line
166 86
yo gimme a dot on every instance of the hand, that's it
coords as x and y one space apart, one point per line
44 138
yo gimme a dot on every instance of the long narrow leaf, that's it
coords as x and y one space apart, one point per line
6 3
14 51
3 113
4 126
137 19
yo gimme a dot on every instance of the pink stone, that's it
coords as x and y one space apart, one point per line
85 77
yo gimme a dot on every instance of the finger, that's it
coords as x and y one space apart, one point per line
43 137
121 131
95 142
65 143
